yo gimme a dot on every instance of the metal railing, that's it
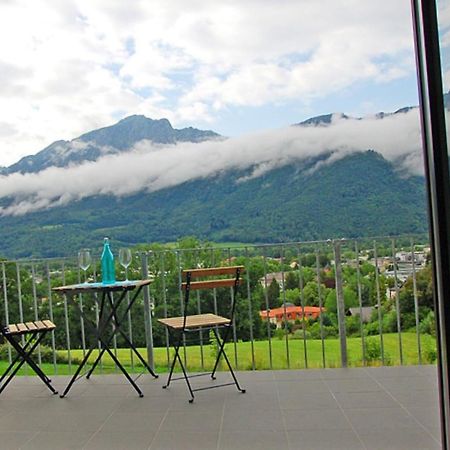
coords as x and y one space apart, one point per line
340 277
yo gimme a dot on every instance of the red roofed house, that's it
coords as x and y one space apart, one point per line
293 313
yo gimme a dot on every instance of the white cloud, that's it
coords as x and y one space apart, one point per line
151 168
68 67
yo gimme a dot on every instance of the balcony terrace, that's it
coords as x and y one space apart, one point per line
360 408
343 397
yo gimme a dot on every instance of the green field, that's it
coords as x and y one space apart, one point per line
261 358
279 353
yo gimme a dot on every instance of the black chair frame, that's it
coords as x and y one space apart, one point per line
178 333
24 351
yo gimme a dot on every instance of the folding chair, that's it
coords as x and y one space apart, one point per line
179 327
35 331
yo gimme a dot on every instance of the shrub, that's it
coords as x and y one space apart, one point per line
428 325
353 325
429 353
298 334
279 333
372 328
390 322
315 331
373 351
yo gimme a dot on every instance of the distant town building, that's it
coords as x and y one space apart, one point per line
365 312
292 312
403 261
279 277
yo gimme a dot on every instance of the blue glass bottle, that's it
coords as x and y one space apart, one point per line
108 270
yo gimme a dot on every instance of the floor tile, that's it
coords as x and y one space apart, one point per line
12 440
57 440
375 418
321 400
253 440
304 419
427 416
393 371
324 439
194 421
398 439
82 421
130 422
108 440
23 421
244 420
413 398
302 387
352 400
353 385
342 373
297 375
144 405
195 440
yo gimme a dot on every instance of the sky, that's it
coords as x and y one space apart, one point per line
240 68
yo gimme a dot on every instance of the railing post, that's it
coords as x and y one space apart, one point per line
340 302
147 314
397 302
5 295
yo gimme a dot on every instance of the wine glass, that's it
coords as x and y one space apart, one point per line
125 260
84 261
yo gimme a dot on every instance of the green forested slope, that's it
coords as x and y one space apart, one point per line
360 195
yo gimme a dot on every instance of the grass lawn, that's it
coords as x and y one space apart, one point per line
261 355
279 353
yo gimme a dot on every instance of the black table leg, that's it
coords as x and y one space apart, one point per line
100 329
118 329
77 372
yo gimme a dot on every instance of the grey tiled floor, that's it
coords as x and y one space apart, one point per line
367 408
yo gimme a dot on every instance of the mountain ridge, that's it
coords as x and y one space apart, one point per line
113 139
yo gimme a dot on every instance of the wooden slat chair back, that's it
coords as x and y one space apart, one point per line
179 326
33 333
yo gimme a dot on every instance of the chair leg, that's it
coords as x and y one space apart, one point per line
27 356
172 366
221 348
11 376
186 377
222 352
16 359
24 354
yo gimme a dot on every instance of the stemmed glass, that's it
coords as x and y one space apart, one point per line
125 260
84 261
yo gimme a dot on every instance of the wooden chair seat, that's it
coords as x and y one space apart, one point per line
195 321
30 327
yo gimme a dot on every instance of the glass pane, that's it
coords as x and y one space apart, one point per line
444 43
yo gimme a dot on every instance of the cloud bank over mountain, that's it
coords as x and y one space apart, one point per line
149 167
